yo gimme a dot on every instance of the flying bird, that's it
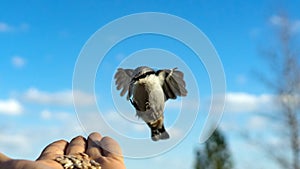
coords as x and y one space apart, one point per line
148 90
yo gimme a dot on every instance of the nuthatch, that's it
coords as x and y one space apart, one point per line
148 90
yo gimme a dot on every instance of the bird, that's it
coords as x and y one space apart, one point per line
148 90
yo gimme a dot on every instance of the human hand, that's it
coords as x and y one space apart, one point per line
103 150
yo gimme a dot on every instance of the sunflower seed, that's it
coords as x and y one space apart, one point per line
77 161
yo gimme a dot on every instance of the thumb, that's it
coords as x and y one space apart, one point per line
3 158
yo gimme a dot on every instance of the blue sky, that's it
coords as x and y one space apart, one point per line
41 41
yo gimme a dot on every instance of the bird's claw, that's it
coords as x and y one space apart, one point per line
147 105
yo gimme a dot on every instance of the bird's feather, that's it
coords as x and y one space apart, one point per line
123 78
173 85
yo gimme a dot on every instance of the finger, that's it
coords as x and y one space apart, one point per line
110 148
77 145
53 150
93 147
3 158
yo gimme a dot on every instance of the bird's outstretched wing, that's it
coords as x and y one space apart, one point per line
123 78
173 85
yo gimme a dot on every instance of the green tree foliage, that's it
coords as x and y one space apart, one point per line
214 154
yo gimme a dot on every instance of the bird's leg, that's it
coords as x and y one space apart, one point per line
163 133
158 130
154 132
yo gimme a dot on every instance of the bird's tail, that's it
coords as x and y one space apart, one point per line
158 131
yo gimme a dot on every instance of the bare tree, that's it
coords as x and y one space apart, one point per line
284 80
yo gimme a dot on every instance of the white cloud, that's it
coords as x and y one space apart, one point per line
60 98
140 128
281 21
45 114
10 107
240 102
124 124
277 20
179 103
229 126
48 115
19 140
26 141
13 144
293 100
176 132
173 104
245 102
257 122
18 61
82 98
5 27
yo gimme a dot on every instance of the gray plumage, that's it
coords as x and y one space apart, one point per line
148 90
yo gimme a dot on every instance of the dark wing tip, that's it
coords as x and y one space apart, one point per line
174 84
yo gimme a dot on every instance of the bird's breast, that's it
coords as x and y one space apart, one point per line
149 95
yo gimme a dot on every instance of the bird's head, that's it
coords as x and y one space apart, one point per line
141 71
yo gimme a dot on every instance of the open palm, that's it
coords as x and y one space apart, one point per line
104 150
